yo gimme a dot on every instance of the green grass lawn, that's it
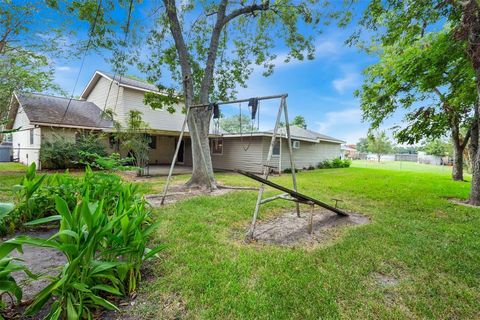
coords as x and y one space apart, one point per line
402 165
416 236
11 166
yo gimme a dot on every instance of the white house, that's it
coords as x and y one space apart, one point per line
42 118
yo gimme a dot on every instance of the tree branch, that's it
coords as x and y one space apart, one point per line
212 52
246 10
182 51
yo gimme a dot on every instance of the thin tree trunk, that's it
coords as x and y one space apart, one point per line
458 147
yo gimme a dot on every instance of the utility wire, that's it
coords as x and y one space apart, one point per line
92 30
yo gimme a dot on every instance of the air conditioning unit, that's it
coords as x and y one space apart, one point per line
296 144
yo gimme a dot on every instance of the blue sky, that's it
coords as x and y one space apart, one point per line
321 90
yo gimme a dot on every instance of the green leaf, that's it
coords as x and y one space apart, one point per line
5 209
102 302
107 288
43 220
151 252
71 312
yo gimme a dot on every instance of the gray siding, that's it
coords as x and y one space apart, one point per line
235 157
104 100
156 119
309 154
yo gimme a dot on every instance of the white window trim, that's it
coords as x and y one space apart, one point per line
213 150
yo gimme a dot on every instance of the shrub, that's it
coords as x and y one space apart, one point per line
347 163
36 194
112 162
104 242
62 153
336 163
59 154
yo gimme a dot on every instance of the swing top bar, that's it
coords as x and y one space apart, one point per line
241 100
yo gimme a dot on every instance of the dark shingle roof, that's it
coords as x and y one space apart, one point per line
131 82
41 108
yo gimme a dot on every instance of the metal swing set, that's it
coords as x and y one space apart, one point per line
267 169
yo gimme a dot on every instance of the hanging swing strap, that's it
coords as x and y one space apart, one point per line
253 103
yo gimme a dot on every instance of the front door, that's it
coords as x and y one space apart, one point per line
181 152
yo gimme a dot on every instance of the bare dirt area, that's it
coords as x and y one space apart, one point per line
290 230
181 192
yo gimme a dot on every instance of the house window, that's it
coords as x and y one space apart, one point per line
217 146
296 144
276 148
153 142
31 136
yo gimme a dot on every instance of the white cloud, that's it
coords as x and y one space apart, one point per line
350 80
64 68
344 117
327 48
345 124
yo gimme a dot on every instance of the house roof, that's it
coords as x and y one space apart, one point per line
122 81
50 110
297 133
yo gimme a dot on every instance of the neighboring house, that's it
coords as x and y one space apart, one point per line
43 118
349 151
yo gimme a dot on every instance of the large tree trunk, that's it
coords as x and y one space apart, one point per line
469 31
202 170
475 157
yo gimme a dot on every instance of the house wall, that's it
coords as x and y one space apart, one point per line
22 148
163 153
156 119
309 153
104 100
235 157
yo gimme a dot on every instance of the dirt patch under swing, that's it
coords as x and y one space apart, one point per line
288 229
180 192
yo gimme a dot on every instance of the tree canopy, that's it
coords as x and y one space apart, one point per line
237 124
379 144
431 79
24 64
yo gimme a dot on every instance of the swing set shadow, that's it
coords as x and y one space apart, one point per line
289 194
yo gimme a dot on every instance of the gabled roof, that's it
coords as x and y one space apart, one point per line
122 81
296 133
50 110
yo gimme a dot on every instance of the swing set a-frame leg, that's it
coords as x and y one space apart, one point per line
290 152
266 171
